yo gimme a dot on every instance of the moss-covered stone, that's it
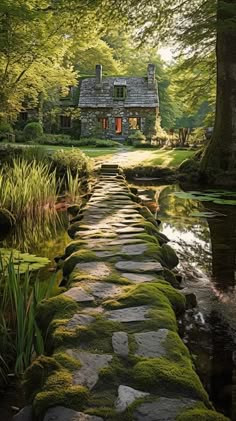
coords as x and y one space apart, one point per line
147 237
74 246
159 294
67 361
169 256
169 276
59 307
200 413
74 397
35 376
80 256
160 375
74 209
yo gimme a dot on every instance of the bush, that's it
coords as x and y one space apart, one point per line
6 130
97 143
73 159
137 135
33 131
19 136
57 139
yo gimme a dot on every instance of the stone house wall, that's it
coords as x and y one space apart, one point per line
90 125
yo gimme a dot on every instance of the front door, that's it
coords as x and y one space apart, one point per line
118 125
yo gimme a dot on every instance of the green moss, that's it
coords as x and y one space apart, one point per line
170 278
177 351
161 319
169 256
98 334
164 376
147 237
74 397
74 246
67 361
80 256
141 294
36 375
73 228
200 413
176 298
60 307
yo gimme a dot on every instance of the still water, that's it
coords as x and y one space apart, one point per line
206 247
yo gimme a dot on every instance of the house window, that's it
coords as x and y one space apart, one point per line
24 116
119 92
104 123
65 121
135 123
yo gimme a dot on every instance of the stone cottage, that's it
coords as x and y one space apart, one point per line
114 107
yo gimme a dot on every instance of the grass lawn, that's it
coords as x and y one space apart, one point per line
172 158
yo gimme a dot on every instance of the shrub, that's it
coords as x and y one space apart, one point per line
99 143
5 129
33 131
73 159
136 136
56 139
19 136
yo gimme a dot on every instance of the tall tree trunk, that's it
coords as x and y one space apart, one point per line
220 154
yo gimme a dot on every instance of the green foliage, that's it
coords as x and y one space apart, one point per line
22 262
56 139
17 315
136 136
33 131
99 143
27 188
73 160
200 413
5 128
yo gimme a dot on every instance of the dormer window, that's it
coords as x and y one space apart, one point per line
119 92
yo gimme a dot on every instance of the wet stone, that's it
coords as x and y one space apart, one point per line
99 269
126 396
132 266
80 319
120 343
87 375
78 294
164 409
138 278
126 241
60 413
104 289
131 314
151 344
130 230
133 250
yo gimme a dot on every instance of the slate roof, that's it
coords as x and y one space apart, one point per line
138 93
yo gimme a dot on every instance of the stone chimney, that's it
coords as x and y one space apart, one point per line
98 76
151 74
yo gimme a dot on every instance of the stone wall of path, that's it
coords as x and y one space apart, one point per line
113 350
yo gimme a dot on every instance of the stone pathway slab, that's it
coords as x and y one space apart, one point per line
164 409
99 269
104 289
127 396
120 343
131 314
134 250
137 278
78 294
132 266
80 319
87 375
151 344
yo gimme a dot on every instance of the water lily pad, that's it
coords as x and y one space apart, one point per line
207 214
23 262
219 197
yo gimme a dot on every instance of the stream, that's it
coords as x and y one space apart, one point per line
203 234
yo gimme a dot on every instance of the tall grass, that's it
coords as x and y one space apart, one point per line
22 337
26 188
73 185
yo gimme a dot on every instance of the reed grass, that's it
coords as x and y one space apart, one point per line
27 188
73 186
18 323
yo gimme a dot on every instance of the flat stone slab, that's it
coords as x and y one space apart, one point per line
126 396
137 278
79 294
99 269
80 319
125 241
134 250
103 289
87 375
132 266
131 314
151 344
164 409
120 343
60 413
130 230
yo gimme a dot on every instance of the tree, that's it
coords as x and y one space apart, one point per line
198 28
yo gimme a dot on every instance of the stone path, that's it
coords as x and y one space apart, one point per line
112 338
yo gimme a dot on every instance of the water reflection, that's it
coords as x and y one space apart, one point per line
207 252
